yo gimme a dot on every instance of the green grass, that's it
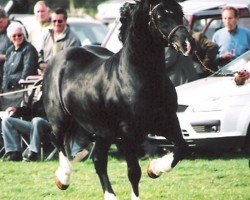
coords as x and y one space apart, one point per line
202 178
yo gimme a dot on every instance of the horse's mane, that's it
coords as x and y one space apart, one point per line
125 18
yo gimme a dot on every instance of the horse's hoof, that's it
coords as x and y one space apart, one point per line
60 185
151 174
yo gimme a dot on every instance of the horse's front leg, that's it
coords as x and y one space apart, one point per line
134 169
173 133
100 160
64 170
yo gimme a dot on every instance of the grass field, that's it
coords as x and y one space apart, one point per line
193 179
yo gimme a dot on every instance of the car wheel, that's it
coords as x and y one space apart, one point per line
246 146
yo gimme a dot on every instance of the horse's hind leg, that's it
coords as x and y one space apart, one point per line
134 169
100 160
172 132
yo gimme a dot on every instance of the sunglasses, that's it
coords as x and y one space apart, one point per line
59 21
17 35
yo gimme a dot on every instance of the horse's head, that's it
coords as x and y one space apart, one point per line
166 22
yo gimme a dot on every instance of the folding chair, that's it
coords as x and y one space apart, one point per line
1 147
34 83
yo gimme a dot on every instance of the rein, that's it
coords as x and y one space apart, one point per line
208 69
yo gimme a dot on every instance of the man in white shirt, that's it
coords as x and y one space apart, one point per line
42 16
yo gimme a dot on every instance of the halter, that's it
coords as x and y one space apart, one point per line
170 35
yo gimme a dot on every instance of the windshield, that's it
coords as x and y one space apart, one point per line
242 62
89 33
214 24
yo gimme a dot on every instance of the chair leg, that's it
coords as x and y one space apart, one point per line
92 151
50 156
1 152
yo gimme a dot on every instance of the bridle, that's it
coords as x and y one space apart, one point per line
172 32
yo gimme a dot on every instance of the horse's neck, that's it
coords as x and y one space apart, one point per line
143 56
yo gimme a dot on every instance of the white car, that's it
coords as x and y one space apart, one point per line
89 31
108 11
214 112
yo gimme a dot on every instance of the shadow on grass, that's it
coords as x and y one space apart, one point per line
197 154
223 154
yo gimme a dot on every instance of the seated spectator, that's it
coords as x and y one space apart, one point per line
232 39
13 128
21 59
35 124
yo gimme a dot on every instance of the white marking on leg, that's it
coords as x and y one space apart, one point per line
109 196
163 164
64 170
134 197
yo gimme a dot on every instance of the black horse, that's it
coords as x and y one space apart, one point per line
125 95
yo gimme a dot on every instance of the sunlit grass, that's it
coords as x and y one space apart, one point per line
201 178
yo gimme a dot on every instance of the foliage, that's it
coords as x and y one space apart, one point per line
88 5
202 178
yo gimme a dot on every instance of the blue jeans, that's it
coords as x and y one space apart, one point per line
12 128
78 141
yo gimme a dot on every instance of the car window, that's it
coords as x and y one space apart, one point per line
111 41
89 33
242 62
214 24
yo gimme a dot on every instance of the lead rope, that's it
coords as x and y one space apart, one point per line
208 69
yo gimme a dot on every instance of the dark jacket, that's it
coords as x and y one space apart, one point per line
5 43
35 109
207 51
19 64
179 69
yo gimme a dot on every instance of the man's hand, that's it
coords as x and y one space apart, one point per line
10 110
227 56
2 57
241 77
42 66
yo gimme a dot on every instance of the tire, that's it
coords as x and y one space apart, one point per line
246 146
